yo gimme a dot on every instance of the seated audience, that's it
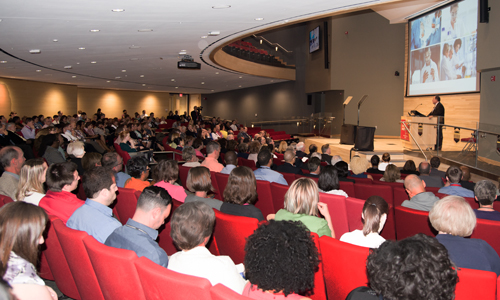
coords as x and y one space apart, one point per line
11 159
386 160
243 150
374 160
95 217
128 144
213 152
328 182
30 187
302 204
231 160
335 159
392 174
299 150
139 234
264 172
190 158
435 163
454 175
49 149
419 198
485 193
280 261
138 169
374 215
410 168
240 194
289 165
417 267
113 161
314 166
21 232
91 160
199 182
192 225
166 177
454 220
424 169
198 146
312 149
62 180
76 150
10 137
343 171
358 167
465 181
325 153
282 147
253 150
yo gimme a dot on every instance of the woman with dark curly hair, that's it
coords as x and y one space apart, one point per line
280 261
417 267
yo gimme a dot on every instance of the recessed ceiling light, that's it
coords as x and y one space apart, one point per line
176 87
117 77
93 62
3 61
118 10
134 47
73 76
221 6
141 76
55 40
39 71
67 67
108 81
241 76
94 30
272 80
214 33
212 90
202 82
81 48
143 84
124 71
204 37
259 19
216 73
134 59
35 51
172 79
77 63
145 30
239 86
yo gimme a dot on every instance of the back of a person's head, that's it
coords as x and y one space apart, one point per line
91 160
465 173
313 148
335 159
199 180
413 183
325 148
188 153
96 180
424 168
454 174
435 162
47 141
153 197
136 165
264 157
392 173
31 178
289 156
231 158
7 154
167 170
410 166
302 197
212 147
374 209
197 143
386 157
254 147
242 148
76 149
453 215
110 160
485 192
410 269
191 223
375 160
280 256
59 175
313 164
241 186
328 179
358 165
299 146
342 169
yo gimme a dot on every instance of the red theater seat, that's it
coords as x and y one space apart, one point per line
475 284
347 187
126 203
278 192
289 177
218 193
221 181
399 195
410 222
487 230
338 212
364 191
78 261
183 174
344 267
4 200
362 180
265 198
247 163
319 291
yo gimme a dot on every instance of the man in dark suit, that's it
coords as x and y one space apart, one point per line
314 165
430 181
300 150
325 154
288 166
435 163
438 111
195 114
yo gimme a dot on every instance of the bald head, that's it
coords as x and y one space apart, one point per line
424 168
289 156
414 185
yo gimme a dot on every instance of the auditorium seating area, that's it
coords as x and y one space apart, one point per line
247 51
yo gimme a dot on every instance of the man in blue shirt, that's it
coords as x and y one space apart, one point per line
454 175
264 172
95 217
140 232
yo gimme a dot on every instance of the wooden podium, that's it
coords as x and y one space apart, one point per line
423 129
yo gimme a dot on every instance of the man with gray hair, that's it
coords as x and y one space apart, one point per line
431 181
11 159
335 159
300 150
485 193
113 161
288 166
190 158
213 152
325 153
420 199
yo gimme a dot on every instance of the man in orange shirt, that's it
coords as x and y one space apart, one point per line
213 151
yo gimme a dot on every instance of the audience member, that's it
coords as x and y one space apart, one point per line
30 187
62 179
264 172
213 152
454 175
435 163
91 160
454 220
358 167
191 228
280 261
302 204
419 198
282 147
314 166
49 149
21 232
410 168
386 160
199 182
424 169
392 174
417 267
253 150
113 161
485 193
11 159
240 194
343 171
312 149
465 181
374 215
243 150
328 182
325 153
190 158
166 177
138 169
76 151
95 217
374 160
139 234
288 165
231 162
299 150
198 146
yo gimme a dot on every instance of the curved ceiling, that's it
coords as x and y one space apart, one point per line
135 45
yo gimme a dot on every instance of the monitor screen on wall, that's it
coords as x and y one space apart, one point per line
442 51
314 40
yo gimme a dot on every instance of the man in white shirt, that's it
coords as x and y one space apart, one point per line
453 29
29 129
429 72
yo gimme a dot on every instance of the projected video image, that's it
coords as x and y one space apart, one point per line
443 51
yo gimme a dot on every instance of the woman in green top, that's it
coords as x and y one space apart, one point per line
302 204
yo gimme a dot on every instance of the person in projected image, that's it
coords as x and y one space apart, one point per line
435 36
429 72
447 69
458 62
455 28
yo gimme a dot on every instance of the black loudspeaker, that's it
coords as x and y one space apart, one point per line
348 134
325 34
364 138
484 11
309 99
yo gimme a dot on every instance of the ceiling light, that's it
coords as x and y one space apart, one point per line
202 82
77 63
93 62
183 52
134 59
239 86
134 47
67 67
3 61
73 76
214 33
81 48
35 51
261 42
176 87
276 48
216 73
117 77
204 37
55 40
259 19
172 79
94 30
141 76
108 81
124 71
221 6
118 10
145 30
39 71
241 76
143 84
213 90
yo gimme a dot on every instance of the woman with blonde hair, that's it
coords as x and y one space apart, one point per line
302 204
358 167
31 179
374 215
392 174
282 147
